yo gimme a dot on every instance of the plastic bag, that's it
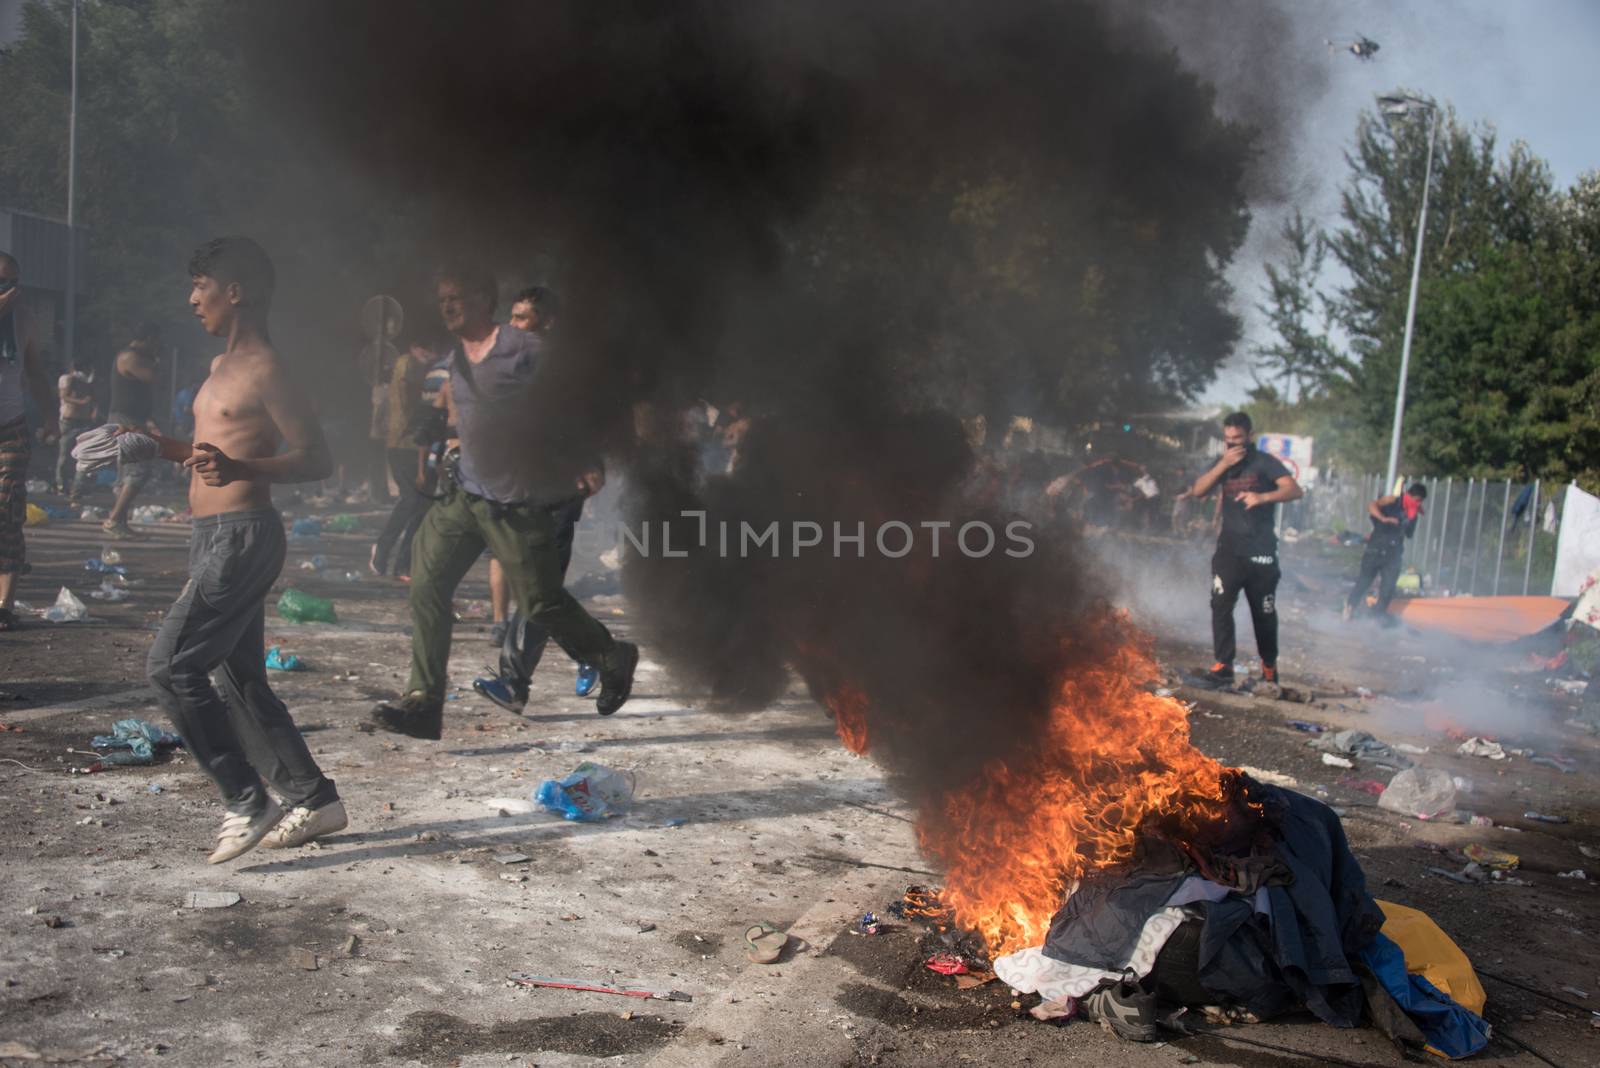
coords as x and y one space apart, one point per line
109 591
276 661
305 528
1420 792
36 516
343 523
67 609
592 792
298 607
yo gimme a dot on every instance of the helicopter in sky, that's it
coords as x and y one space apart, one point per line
1362 47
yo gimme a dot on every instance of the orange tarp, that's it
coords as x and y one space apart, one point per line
1480 619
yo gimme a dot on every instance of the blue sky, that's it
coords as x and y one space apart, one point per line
1531 68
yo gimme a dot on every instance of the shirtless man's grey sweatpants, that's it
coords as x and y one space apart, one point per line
219 624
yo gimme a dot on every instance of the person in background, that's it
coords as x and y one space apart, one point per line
183 407
516 513
522 644
78 411
1394 519
1253 484
404 410
133 385
21 368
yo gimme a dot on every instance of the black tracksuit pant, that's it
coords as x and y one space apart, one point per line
1381 562
1258 577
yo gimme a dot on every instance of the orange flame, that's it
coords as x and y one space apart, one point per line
849 708
1111 757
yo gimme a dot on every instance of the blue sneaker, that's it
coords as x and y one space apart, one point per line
588 679
503 692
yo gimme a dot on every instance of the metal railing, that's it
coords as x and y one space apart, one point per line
1478 536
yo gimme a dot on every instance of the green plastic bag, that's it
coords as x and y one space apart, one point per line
343 523
298 607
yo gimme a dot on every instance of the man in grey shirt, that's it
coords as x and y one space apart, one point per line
511 504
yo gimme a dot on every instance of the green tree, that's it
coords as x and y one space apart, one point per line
1300 357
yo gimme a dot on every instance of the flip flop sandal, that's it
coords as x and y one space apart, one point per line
763 942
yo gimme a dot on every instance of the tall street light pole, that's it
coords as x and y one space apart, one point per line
72 202
1407 105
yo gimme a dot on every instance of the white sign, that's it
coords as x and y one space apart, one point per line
1293 449
1578 545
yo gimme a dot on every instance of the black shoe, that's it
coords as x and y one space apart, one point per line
616 677
414 715
1218 677
1125 1009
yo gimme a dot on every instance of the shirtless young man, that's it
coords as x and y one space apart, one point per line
253 427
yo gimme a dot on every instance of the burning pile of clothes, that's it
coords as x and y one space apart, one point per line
1265 913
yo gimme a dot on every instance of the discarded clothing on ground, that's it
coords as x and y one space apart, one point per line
103 446
1287 925
138 737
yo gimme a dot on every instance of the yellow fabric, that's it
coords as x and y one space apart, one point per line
36 516
1431 954
405 395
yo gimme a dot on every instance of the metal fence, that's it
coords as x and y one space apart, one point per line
1476 536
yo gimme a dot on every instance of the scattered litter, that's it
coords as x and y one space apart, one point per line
947 964
591 792
510 806
1575 873
1544 817
67 609
1482 747
646 928
1554 762
1572 687
152 513
472 610
598 986
1590 852
974 979
276 661
511 858
133 742
305 959
675 821
764 942
349 947
92 514
1575 992
869 924
1452 876
1351 743
211 899
35 516
513 877
1463 784
154 788
305 529
299 607
1420 792
1063 1009
561 747
101 566
1336 761
1363 692
343 523
1411 750
109 591
1491 858
1366 786
1309 728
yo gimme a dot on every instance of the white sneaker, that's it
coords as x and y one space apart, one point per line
241 832
303 824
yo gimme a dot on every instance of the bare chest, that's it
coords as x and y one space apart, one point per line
225 400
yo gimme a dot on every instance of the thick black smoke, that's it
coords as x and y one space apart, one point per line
857 225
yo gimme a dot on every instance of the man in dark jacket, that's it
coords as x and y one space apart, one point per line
1394 519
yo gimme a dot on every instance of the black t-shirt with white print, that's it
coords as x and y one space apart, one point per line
1249 532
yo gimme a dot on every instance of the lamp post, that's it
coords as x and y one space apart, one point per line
1401 106
71 317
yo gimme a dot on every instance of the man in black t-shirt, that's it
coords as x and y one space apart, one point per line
1394 519
1253 483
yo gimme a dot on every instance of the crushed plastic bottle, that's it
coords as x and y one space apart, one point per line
591 793
67 609
1422 793
298 607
